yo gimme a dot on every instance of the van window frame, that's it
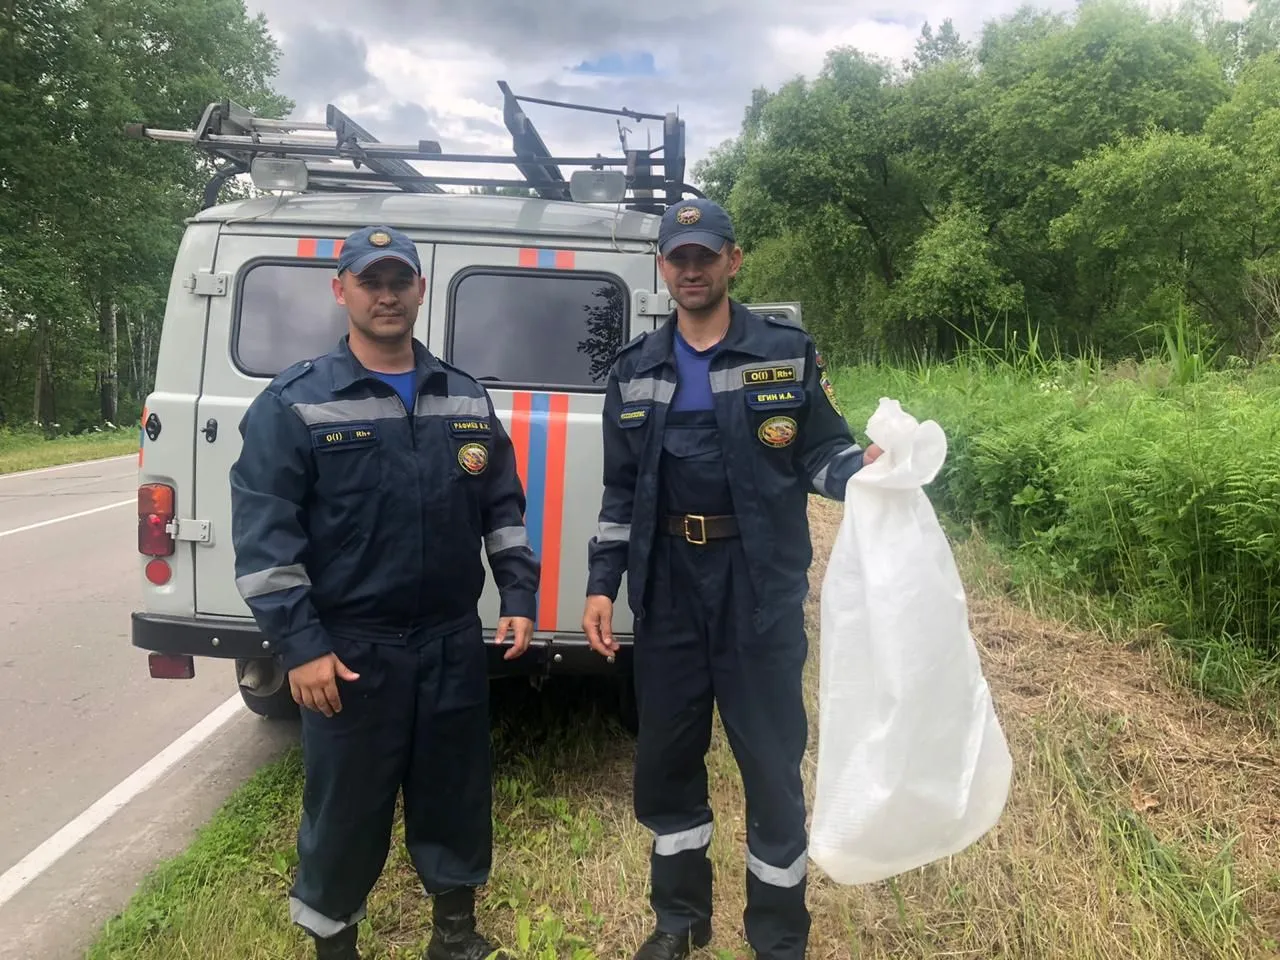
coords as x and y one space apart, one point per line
237 304
451 315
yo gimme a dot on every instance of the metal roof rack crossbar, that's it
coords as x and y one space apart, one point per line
303 156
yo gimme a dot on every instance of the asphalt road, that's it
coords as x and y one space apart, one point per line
79 713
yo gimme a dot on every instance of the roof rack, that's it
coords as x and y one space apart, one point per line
340 155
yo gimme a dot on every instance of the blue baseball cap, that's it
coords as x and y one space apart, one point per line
367 246
695 221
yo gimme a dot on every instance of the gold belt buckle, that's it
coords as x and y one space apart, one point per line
702 523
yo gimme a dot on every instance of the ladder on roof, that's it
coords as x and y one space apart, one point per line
340 155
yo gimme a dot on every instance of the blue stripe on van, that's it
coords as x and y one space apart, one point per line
535 496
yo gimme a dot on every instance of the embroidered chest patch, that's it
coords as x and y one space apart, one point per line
473 458
777 432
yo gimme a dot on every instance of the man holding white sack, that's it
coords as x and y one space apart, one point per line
717 427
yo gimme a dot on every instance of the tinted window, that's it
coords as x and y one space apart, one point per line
287 314
558 330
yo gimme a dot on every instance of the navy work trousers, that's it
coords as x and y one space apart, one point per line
417 720
697 646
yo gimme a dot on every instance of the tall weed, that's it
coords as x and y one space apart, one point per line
1154 484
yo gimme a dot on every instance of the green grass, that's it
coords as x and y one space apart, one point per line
1139 827
1090 506
24 450
1144 495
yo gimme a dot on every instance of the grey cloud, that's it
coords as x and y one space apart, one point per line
415 120
320 62
519 30
711 54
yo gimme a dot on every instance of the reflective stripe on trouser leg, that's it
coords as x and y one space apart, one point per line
670 844
788 876
317 923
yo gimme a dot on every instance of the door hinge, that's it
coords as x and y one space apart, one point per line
196 531
646 303
207 284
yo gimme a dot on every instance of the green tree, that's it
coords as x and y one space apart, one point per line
89 220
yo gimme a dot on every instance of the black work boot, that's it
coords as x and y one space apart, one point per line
671 946
341 947
454 935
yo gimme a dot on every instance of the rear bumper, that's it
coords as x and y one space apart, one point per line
228 639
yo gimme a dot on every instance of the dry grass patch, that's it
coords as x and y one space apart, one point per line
1140 825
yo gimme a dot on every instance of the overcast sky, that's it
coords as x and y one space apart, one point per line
407 70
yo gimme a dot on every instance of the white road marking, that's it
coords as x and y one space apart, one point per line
68 466
69 516
48 853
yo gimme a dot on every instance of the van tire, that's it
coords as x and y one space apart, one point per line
272 699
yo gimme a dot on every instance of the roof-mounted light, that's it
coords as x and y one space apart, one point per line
597 186
274 173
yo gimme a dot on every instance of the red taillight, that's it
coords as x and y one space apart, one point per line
155 513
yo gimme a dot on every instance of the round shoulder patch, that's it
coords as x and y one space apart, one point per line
777 432
473 458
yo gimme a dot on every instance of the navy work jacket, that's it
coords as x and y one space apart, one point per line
781 435
352 516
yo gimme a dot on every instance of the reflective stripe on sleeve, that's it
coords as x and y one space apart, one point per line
505 538
272 580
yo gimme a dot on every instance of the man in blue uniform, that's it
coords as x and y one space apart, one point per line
369 480
717 427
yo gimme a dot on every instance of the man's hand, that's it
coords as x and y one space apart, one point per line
523 628
871 454
597 623
313 686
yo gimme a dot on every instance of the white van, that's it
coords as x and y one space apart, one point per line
531 295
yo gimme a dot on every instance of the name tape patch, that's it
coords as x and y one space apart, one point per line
633 414
347 435
468 427
758 375
775 397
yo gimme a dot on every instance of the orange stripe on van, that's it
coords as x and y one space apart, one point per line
306 246
521 412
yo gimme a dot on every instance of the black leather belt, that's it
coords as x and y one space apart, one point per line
696 528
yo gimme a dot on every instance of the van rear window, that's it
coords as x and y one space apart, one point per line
534 329
286 313
555 329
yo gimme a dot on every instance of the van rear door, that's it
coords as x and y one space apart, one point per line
789 312
539 327
279 308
